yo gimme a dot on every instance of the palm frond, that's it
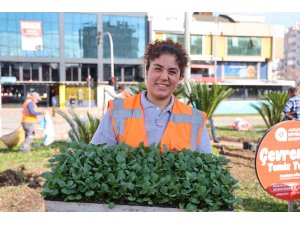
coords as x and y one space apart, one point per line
207 98
271 107
82 129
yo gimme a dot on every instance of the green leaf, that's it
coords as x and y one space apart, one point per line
181 205
89 193
111 205
121 156
191 207
98 175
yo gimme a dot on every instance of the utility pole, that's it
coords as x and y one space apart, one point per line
187 42
99 41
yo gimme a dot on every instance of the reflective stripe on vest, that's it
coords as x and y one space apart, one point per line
184 126
120 114
196 120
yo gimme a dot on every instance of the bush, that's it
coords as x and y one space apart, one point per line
141 176
82 130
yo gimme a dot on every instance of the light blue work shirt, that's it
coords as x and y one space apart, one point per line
155 123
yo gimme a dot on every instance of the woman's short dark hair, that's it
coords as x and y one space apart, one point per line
168 46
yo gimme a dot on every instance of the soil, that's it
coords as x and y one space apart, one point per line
20 191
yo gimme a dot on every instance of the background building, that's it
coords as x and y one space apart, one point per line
290 68
54 53
238 51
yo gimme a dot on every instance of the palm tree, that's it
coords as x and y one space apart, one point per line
271 107
82 130
207 98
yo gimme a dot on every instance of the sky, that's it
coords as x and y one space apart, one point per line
286 19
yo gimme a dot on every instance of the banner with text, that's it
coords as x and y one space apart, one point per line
32 39
277 161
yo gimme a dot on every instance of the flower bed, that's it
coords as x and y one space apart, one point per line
121 175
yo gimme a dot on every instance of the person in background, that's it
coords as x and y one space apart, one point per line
155 116
125 93
72 101
110 90
80 97
292 106
54 102
30 111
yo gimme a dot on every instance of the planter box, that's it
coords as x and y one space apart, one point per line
58 206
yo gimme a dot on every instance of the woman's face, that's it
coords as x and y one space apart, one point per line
162 78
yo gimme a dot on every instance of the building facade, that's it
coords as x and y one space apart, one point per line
291 62
57 53
60 54
222 48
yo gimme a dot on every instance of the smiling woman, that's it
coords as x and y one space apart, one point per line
155 116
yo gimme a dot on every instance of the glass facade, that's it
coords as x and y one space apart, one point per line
80 35
129 34
244 46
195 42
12 43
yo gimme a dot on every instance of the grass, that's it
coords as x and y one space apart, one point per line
34 161
226 131
255 199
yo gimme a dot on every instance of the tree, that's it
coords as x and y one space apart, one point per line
82 129
271 107
207 98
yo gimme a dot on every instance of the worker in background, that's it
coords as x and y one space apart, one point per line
124 93
292 107
30 111
155 116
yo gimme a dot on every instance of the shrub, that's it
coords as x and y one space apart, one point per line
82 130
143 176
271 107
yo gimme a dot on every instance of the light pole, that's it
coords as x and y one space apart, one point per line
187 40
99 40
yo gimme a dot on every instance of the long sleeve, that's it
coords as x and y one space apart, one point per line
104 132
204 145
32 110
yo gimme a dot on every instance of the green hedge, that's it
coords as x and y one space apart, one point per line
141 176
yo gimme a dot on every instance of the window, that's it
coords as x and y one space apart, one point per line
129 34
196 42
80 35
244 46
11 39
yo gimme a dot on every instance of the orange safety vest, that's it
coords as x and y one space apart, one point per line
27 117
183 129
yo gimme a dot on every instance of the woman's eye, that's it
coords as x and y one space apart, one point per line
172 72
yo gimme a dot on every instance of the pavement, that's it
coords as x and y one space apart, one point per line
10 120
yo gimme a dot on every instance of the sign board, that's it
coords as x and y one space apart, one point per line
31 33
277 161
7 79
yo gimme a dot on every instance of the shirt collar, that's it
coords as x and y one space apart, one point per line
147 104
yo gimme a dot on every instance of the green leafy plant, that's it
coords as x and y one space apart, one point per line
135 89
121 174
207 98
81 129
271 107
